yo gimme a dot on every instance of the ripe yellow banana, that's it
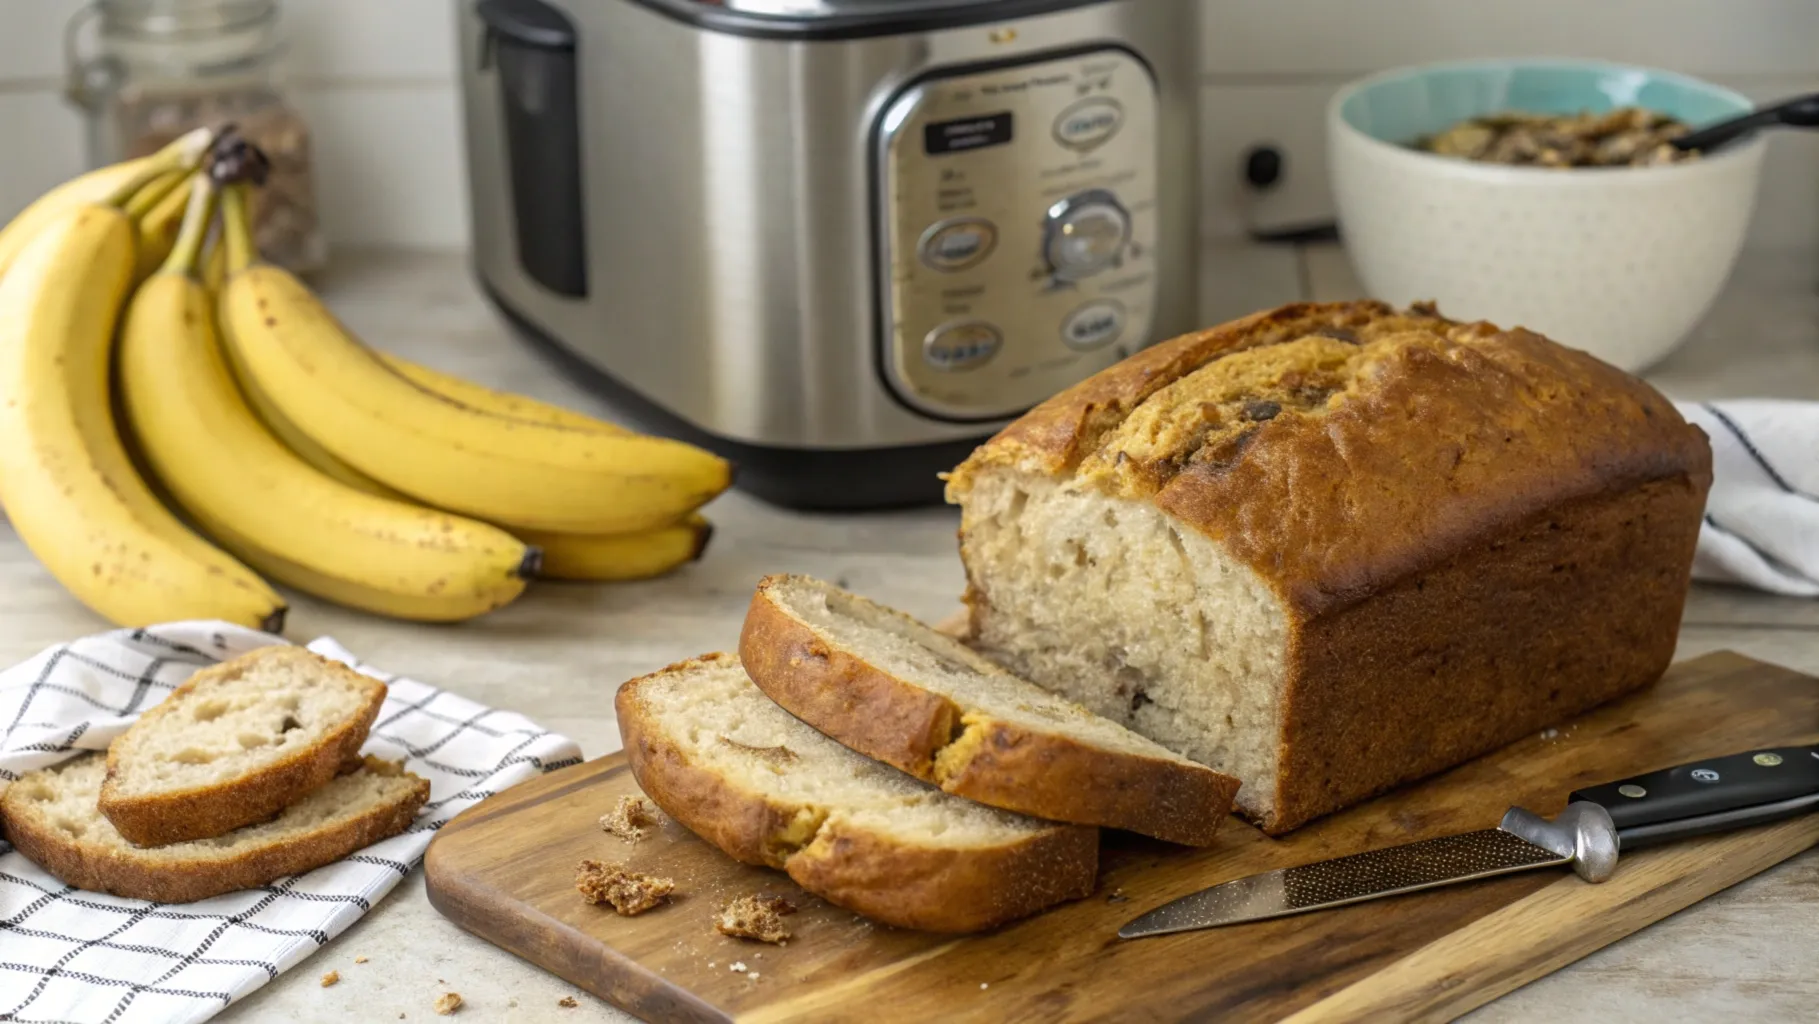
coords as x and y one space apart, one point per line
629 556
92 187
65 480
499 403
439 450
265 504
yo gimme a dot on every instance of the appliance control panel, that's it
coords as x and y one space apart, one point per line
1017 218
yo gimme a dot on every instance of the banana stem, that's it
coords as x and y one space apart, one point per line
186 253
236 229
144 200
184 153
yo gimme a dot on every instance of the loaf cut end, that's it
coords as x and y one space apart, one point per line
876 680
1112 603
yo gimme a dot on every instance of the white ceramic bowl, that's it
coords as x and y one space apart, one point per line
1620 262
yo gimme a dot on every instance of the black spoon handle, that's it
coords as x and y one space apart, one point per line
1799 112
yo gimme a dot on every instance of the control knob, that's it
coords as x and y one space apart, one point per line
1084 234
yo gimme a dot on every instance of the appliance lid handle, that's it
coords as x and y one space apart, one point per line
531 23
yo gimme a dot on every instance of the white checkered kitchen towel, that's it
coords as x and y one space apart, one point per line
70 955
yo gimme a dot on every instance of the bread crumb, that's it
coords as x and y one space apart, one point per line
1117 896
330 978
627 892
739 966
1548 734
447 1003
757 917
359 959
753 975
631 821
984 985
567 1002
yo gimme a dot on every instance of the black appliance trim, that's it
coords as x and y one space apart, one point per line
814 479
715 18
875 201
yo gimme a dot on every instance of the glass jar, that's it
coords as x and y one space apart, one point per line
162 67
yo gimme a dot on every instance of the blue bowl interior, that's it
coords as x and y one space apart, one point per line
1403 107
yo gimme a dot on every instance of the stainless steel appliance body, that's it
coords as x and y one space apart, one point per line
841 241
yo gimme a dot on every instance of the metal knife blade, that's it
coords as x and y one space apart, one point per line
1335 883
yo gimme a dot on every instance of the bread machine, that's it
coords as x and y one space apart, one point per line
838 241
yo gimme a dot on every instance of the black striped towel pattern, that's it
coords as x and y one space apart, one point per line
1761 525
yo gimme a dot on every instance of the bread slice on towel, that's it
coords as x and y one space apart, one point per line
722 759
50 816
236 744
892 688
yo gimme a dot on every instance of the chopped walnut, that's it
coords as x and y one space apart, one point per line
756 917
330 978
448 1002
627 892
631 821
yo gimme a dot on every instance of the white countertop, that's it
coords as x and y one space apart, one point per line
1745 954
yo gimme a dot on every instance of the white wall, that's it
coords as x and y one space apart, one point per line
375 79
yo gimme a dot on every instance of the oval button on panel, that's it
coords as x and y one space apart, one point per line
961 346
1089 123
1094 325
958 244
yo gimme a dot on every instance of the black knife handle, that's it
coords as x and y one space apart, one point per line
1703 796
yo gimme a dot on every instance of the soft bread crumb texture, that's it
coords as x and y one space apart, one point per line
935 662
239 717
1115 605
724 724
756 916
630 820
447 1003
63 797
627 892
1159 541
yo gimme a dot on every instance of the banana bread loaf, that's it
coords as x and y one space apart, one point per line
1329 549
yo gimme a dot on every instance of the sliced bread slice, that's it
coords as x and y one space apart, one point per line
236 744
892 688
50 816
722 759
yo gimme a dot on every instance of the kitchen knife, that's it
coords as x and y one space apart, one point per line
1712 795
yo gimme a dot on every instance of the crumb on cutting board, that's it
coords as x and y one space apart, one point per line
739 966
627 892
567 1002
447 1003
756 916
330 978
631 820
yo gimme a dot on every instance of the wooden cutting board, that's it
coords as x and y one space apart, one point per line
504 870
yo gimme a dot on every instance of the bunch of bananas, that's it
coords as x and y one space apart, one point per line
180 422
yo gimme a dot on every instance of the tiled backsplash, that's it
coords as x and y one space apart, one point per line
375 78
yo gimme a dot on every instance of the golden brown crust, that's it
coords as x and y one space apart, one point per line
871 711
928 889
947 890
1434 661
204 812
1477 429
124 873
998 763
